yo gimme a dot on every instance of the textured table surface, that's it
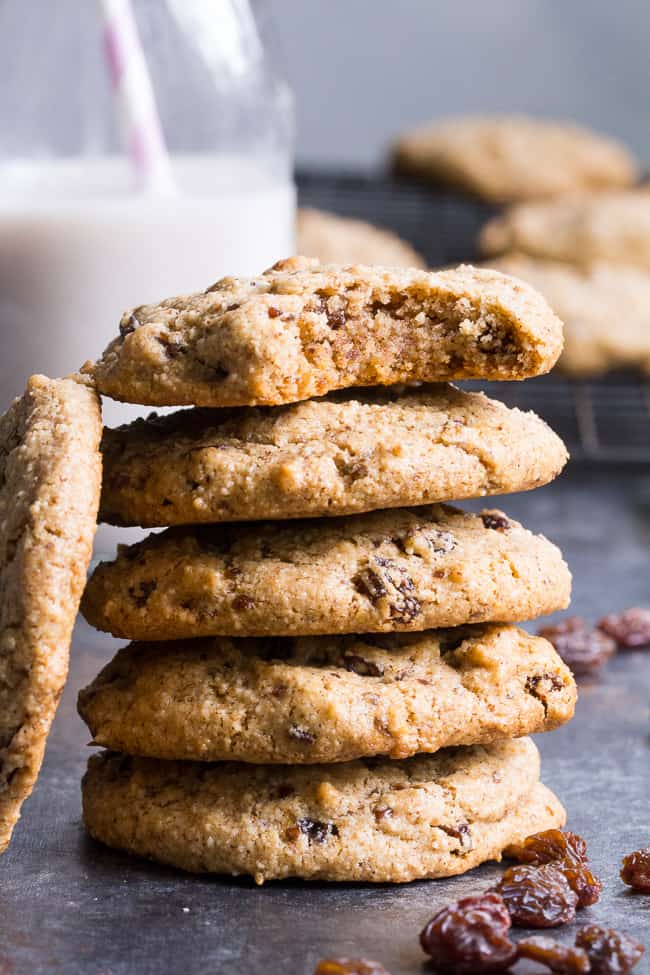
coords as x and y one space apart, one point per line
69 905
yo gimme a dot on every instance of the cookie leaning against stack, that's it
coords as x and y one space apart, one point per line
388 756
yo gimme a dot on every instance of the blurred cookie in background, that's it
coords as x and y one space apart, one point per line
509 158
341 240
605 309
612 227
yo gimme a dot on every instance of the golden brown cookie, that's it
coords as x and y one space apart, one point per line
341 240
405 569
605 308
327 699
50 472
344 454
302 329
376 821
504 158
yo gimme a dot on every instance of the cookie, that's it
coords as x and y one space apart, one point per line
302 329
344 454
327 699
613 227
504 158
375 821
50 472
406 569
341 240
605 309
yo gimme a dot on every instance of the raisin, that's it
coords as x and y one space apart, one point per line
609 952
316 831
537 897
582 648
460 832
568 852
495 520
630 628
388 580
129 324
349 966
636 870
559 958
274 312
470 937
364 668
242 603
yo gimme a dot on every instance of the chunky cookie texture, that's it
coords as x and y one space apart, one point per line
373 821
327 699
613 227
340 240
605 308
406 569
343 454
50 472
504 158
302 329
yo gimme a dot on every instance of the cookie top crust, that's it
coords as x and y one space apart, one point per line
347 453
508 158
302 329
50 473
613 227
342 240
605 308
405 569
327 699
374 821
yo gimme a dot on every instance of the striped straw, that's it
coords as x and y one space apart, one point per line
134 93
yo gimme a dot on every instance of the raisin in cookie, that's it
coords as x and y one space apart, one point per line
605 308
613 227
375 821
327 699
50 472
302 329
504 158
341 240
340 455
406 569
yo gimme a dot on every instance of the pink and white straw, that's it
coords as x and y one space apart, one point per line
135 97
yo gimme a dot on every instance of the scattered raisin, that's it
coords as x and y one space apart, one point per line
609 952
566 851
470 937
537 897
582 648
460 832
550 845
559 958
274 312
173 348
242 603
495 520
386 579
349 966
636 870
382 812
316 831
140 594
129 324
630 629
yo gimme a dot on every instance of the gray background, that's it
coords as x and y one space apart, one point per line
363 69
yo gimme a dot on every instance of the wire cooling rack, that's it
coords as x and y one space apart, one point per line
605 420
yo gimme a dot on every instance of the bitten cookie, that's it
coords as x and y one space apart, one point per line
327 699
406 569
376 821
340 240
504 158
302 329
50 471
605 309
344 454
613 227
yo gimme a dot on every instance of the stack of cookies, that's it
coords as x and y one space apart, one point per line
326 682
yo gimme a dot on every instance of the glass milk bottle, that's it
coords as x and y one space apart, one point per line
82 235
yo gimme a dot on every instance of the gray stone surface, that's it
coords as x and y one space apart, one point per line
69 905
